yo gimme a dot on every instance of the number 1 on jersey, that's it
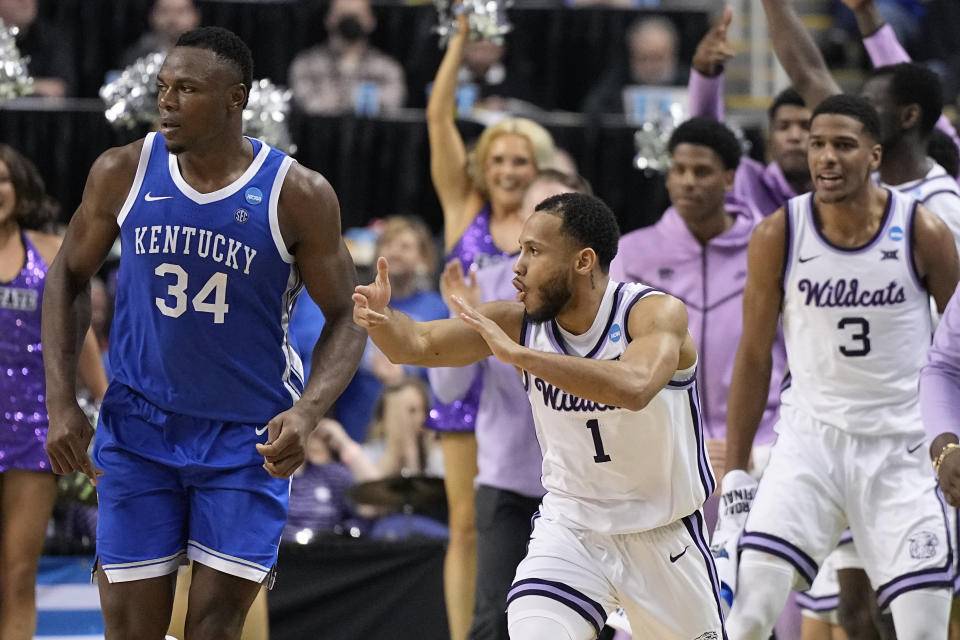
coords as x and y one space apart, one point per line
601 455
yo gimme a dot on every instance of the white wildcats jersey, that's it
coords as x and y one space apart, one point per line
605 468
856 323
939 192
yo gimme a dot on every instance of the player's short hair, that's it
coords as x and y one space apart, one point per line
943 149
788 96
853 106
912 83
573 181
227 45
589 221
710 133
34 209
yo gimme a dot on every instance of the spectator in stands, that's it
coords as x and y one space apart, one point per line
652 47
481 195
397 442
47 46
347 73
169 19
488 80
407 244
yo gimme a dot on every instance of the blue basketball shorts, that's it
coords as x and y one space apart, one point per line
178 487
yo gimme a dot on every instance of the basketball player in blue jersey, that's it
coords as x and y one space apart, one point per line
609 372
207 416
849 269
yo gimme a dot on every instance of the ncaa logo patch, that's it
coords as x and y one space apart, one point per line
241 215
615 333
896 233
253 195
922 545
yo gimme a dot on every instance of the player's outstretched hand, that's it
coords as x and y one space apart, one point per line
949 478
501 346
370 300
714 50
284 451
68 437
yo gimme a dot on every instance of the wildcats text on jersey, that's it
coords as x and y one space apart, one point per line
559 400
18 299
165 239
841 293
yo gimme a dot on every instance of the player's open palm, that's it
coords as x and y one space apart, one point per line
284 450
949 477
68 437
370 300
502 347
453 283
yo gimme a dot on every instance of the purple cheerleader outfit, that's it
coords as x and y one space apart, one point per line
475 246
23 411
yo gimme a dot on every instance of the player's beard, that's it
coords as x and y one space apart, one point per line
554 296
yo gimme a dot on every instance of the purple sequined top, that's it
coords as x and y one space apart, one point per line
475 246
23 412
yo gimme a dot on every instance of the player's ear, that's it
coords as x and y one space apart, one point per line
238 96
586 261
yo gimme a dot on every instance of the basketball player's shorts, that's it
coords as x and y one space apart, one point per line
663 578
821 480
176 487
820 600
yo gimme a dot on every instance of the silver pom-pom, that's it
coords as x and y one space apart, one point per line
651 140
14 79
266 115
487 19
131 97
131 100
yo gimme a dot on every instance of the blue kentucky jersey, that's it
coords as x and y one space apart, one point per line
205 290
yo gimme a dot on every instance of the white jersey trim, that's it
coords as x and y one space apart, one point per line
134 192
293 364
273 211
225 192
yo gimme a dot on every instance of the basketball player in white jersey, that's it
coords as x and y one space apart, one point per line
850 268
609 371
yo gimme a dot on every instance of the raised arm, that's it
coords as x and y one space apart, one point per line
798 53
439 343
705 88
448 156
762 296
884 49
66 303
660 345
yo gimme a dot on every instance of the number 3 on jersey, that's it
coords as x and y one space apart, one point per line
216 285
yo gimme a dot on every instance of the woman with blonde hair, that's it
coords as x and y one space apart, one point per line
481 195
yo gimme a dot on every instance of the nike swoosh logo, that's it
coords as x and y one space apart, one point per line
260 430
674 558
915 447
808 259
150 198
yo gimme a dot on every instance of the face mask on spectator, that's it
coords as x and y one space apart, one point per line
350 29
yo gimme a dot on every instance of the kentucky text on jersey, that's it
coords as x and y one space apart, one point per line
562 401
18 299
201 242
843 294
